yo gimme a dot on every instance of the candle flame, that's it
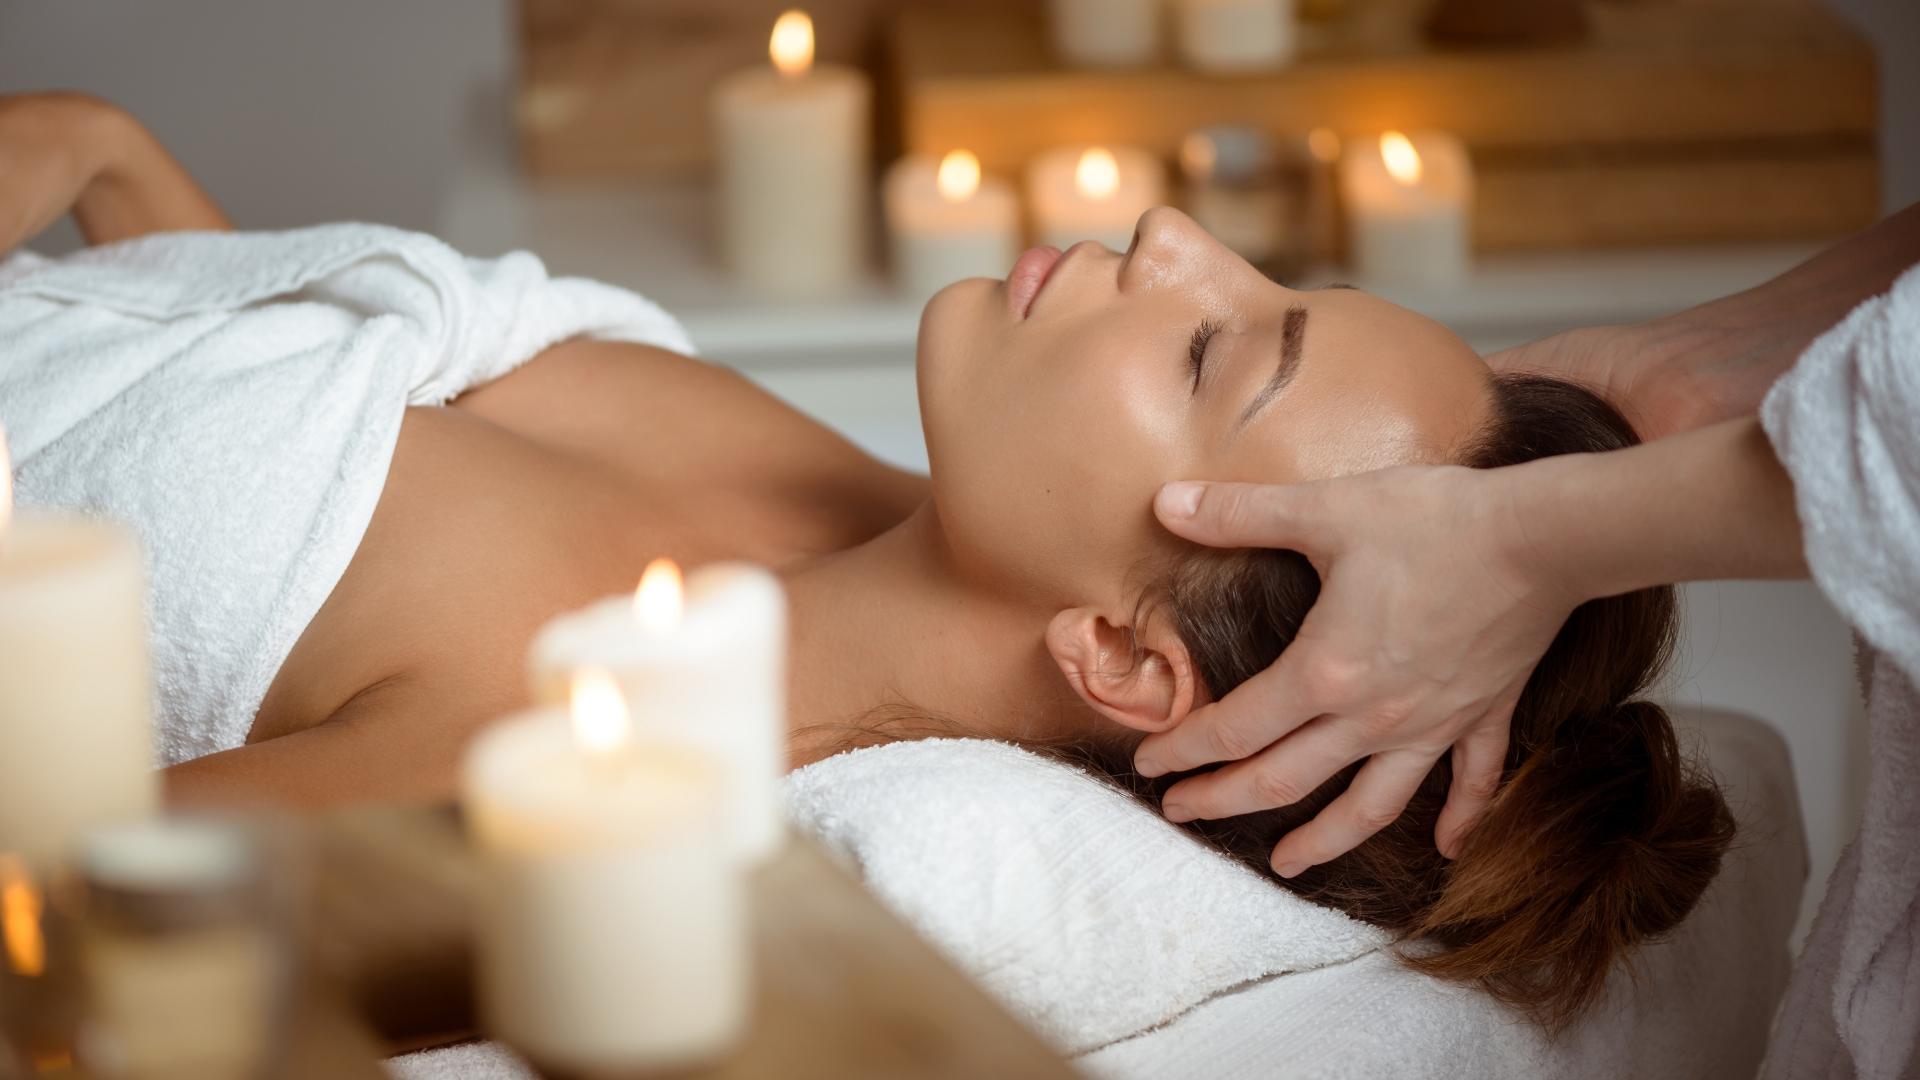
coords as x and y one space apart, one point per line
791 45
959 176
1097 176
659 600
20 907
1403 161
600 720
1323 144
1198 156
6 482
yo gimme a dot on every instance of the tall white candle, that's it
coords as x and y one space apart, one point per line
76 741
949 222
1105 33
612 922
791 143
708 666
1409 202
1236 35
1092 193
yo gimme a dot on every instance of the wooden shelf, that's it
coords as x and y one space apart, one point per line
1674 123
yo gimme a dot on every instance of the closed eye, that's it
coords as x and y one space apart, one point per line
1197 349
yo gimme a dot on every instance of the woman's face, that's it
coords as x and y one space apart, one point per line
1053 416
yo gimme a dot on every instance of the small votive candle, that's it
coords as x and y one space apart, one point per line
76 737
949 222
1409 204
1235 189
612 921
791 143
703 662
1105 33
1092 193
1236 35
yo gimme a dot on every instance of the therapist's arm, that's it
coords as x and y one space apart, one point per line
1716 361
1442 587
64 153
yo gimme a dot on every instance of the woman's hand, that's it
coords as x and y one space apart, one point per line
64 153
1430 619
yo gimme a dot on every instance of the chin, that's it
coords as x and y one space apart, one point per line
954 329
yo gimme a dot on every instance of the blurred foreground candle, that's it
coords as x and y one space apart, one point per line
1092 193
948 222
791 144
1106 33
612 933
706 664
1236 35
1408 204
76 743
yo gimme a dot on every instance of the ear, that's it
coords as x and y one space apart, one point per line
1141 677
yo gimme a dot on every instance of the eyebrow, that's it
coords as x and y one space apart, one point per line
1293 328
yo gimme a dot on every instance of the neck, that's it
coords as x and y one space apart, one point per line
888 639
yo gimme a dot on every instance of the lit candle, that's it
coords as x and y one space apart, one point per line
1092 193
1408 204
1236 35
1106 33
948 222
791 143
76 741
706 664
612 932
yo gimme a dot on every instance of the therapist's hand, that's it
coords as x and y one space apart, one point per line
1428 623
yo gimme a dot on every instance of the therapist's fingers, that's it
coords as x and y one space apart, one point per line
1376 798
1279 776
1241 515
1479 760
1250 718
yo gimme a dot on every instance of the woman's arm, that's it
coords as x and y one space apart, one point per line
64 153
1442 587
1715 362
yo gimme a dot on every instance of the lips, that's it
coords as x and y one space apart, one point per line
1029 274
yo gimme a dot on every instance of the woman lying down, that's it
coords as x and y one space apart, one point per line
366 469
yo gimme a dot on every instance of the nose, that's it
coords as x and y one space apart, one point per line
1167 246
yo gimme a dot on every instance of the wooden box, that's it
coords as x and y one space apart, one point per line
1718 120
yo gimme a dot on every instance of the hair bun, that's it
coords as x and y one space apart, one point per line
1599 841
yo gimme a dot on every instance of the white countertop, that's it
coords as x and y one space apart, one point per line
657 240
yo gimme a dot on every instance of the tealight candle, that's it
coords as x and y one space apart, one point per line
612 932
948 222
791 143
705 663
1092 193
76 742
1408 204
1236 35
1106 33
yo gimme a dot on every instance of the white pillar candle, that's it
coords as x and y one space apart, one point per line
76 741
612 926
791 143
1409 206
708 666
1236 35
948 222
1092 193
1106 33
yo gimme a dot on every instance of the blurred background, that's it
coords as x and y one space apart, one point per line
1634 157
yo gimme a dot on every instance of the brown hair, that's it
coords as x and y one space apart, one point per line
1600 836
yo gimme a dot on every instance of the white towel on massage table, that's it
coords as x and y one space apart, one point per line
236 397
1145 955
1846 423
